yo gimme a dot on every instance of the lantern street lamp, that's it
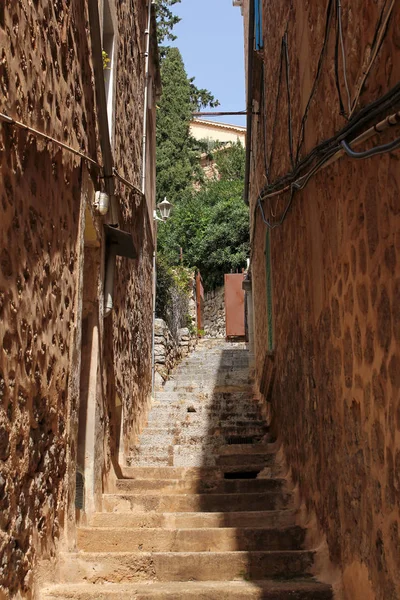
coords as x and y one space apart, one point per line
165 210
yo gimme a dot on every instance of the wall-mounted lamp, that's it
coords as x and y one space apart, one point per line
165 210
101 202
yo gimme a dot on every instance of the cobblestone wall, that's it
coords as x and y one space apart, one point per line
336 285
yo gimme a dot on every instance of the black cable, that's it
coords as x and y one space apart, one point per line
372 151
319 68
337 82
290 131
283 217
276 107
264 121
365 115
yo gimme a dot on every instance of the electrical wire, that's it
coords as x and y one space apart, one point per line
339 9
6 119
290 129
376 44
329 158
372 151
126 182
10 121
317 76
276 107
365 116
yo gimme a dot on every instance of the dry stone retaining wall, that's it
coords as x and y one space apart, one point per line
214 314
168 351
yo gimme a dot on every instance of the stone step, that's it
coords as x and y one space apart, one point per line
243 452
123 567
223 539
183 418
212 387
210 403
245 459
185 473
199 486
305 589
247 449
199 520
125 502
195 435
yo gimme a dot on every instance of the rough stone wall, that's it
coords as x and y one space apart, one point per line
336 290
214 314
46 81
128 333
168 351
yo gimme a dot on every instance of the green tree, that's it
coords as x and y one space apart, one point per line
176 158
211 225
166 20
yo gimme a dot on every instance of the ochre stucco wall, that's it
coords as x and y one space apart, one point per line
336 294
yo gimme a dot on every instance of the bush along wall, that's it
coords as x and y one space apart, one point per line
176 322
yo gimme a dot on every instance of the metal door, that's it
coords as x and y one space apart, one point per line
234 305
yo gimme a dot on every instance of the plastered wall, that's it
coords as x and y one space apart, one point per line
336 291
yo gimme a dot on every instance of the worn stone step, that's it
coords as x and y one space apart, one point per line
222 539
187 520
182 443
207 407
216 387
246 449
196 502
305 589
199 486
245 459
202 472
175 418
122 567
192 436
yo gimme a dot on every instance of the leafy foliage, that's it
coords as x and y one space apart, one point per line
177 151
166 20
174 288
211 225
175 155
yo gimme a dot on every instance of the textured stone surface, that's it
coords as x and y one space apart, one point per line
168 351
335 264
173 532
214 314
46 81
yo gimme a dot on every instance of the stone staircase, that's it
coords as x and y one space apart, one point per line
203 512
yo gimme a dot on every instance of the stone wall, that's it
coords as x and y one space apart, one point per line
168 351
52 252
336 289
214 314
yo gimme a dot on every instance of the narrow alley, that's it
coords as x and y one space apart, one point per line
204 511
199 300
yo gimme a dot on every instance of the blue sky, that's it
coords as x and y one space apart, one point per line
210 38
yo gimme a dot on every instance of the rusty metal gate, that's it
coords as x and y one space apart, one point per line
234 305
